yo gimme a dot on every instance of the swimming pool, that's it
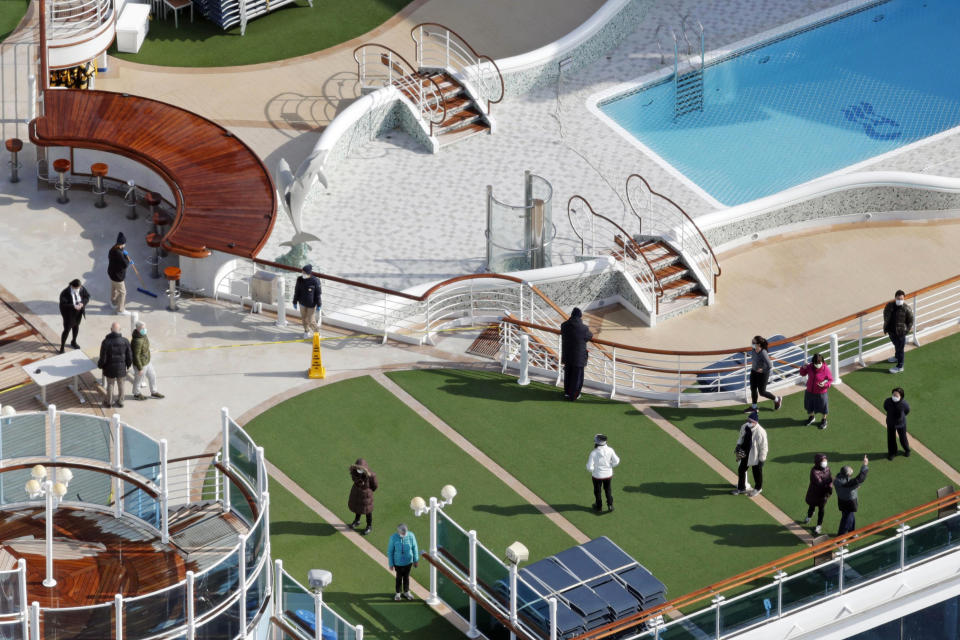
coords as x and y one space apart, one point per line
799 107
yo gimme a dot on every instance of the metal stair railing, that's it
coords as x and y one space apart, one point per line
439 47
379 66
687 77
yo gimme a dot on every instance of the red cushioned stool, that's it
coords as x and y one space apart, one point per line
62 166
14 145
99 171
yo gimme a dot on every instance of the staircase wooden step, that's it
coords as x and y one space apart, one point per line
463 133
671 272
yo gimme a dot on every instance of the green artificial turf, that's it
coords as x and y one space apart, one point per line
891 487
673 513
929 383
293 30
314 438
361 591
11 12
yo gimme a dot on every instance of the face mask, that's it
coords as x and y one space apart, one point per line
817 366
895 398
899 302
143 332
756 347
823 464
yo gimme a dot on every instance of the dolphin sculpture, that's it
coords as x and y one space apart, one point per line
292 192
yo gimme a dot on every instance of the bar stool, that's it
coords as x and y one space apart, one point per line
14 145
152 200
99 171
161 219
131 200
154 240
172 274
62 166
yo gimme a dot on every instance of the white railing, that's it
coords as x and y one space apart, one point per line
657 215
379 66
723 375
69 18
295 606
19 101
441 48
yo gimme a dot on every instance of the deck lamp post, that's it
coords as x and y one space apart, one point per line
41 485
420 507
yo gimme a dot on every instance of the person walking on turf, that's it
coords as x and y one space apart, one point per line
115 358
819 490
402 555
73 309
360 501
142 367
600 464
896 408
815 398
897 323
117 263
846 486
751 451
306 294
760 367
574 336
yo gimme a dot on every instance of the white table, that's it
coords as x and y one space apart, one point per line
60 367
132 26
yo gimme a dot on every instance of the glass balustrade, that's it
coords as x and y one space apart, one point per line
149 615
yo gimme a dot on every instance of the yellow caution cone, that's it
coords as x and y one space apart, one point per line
316 360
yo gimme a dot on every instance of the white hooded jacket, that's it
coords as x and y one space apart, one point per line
601 462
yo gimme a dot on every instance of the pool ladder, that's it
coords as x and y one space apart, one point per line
688 71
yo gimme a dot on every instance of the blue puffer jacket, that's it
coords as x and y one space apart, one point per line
403 550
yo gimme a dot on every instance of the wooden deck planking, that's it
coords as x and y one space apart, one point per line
228 200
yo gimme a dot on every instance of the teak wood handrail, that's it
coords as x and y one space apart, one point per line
411 74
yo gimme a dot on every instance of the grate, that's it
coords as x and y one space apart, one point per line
487 344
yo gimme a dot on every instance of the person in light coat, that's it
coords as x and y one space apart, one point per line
600 464
751 450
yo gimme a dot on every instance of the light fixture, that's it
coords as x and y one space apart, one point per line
53 493
39 472
449 492
59 489
517 553
64 475
33 488
419 505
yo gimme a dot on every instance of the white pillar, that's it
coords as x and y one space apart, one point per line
190 611
472 538
434 507
24 622
164 490
117 464
118 607
835 358
52 425
524 378
552 601
242 570
318 614
278 588
35 621
281 301
513 597
225 459
48 494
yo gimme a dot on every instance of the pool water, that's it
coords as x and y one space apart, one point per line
804 106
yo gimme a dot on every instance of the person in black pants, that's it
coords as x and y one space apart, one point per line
896 409
760 367
73 309
574 336
845 486
897 323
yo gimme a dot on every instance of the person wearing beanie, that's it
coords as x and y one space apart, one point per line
306 294
117 262
751 451
600 464
73 309
574 336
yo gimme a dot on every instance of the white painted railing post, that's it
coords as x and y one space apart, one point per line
35 621
390 67
746 376
32 92
902 532
717 601
318 614
472 322
472 541
118 608
427 337
261 472
281 301
779 577
22 586
520 293
434 506
613 385
513 597
164 494
524 378
506 331
860 345
384 318
278 588
242 570
447 62
52 426
806 350
225 456
835 358
559 359
117 464
552 602
266 524
916 321
358 630
191 623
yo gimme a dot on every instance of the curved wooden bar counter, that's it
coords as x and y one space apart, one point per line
225 197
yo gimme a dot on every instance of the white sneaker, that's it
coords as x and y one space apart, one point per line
818 529
806 520
896 370
307 334
754 493
408 595
123 313
737 492
396 596
892 359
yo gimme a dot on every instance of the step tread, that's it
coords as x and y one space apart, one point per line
472 129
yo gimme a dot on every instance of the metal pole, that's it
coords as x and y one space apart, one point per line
384 318
281 301
242 570
916 342
472 541
117 464
52 425
860 345
717 602
35 612
842 552
902 531
433 599
164 494
552 602
513 597
613 385
524 378
42 51
190 608
779 576
225 456
118 609
278 588
359 631
318 614
49 581
835 358
24 620
559 359
266 523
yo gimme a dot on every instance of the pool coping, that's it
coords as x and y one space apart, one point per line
716 56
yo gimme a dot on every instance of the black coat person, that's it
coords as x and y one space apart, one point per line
75 295
574 336
115 356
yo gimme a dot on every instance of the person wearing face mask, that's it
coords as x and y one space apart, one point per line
846 486
815 398
760 367
142 367
819 490
402 554
73 309
896 409
360 501
897 323
600 464
751 451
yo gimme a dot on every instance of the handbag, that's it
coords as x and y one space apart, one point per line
739 452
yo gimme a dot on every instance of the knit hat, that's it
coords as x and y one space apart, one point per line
754 416
599 439
308 269
121 239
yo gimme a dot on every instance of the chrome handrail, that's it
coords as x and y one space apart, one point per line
440 47
422 91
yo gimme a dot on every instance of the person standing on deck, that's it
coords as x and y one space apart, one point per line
574 336
760 368
117 263
897 323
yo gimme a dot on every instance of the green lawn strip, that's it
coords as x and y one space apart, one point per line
314 437
673 514
362 591
930 386
892 487
293 30
11 12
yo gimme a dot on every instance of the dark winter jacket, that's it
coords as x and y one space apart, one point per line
364 484
821 483
307 292
896 413
117 264
140 345
573 340
67 310
115 356
846 488
897 320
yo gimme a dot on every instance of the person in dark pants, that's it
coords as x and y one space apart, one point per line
760 368
73 309
897 323
306 294
819 490
600 464
402 554
574 336
115 358
847 499
896 409
117 263
360 501
751 451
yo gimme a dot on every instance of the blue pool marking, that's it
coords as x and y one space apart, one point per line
875 126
